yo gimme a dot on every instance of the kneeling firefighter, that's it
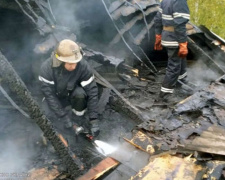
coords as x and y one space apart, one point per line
66 79
170 29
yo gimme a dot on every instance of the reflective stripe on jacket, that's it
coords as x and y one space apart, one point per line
172 13
57 82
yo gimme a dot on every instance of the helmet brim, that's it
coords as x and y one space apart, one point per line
70 59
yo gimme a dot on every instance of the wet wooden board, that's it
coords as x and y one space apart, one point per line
210 141
101 168
169 167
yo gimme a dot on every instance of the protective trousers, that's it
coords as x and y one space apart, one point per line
77 100
176 69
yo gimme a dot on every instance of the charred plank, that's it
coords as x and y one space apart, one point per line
131 23
121 103
201 54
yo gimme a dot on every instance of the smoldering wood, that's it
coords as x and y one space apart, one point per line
187 120
10 77
125 105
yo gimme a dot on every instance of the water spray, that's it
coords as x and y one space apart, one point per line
101 146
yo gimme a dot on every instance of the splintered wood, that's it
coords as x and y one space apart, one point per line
169 167
142 141
101 168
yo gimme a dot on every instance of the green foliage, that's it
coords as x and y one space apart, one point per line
210 13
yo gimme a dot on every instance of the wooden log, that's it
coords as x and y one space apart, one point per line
11 78
101 168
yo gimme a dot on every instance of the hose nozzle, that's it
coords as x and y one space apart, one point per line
78 129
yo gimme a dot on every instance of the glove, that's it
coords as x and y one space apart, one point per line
94 127
158 45
183 50
67 121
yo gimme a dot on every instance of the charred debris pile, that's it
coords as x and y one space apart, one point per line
182 139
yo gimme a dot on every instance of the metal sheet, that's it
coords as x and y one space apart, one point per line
210 141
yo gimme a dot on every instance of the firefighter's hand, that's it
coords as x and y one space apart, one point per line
94 127
183 50
158 45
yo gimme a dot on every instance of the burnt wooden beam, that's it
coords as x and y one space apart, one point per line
101 168
128 10
122 103
142 51
122 37
9 76
131 23
138 39
207 59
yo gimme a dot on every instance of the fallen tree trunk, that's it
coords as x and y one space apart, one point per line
10 77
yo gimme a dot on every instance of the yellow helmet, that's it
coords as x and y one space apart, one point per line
68 51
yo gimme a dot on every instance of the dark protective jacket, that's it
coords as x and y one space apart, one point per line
58 83
173 13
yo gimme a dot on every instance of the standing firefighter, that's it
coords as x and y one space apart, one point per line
170 28
66 79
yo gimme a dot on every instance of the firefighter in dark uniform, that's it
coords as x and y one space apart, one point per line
170 29
66 79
